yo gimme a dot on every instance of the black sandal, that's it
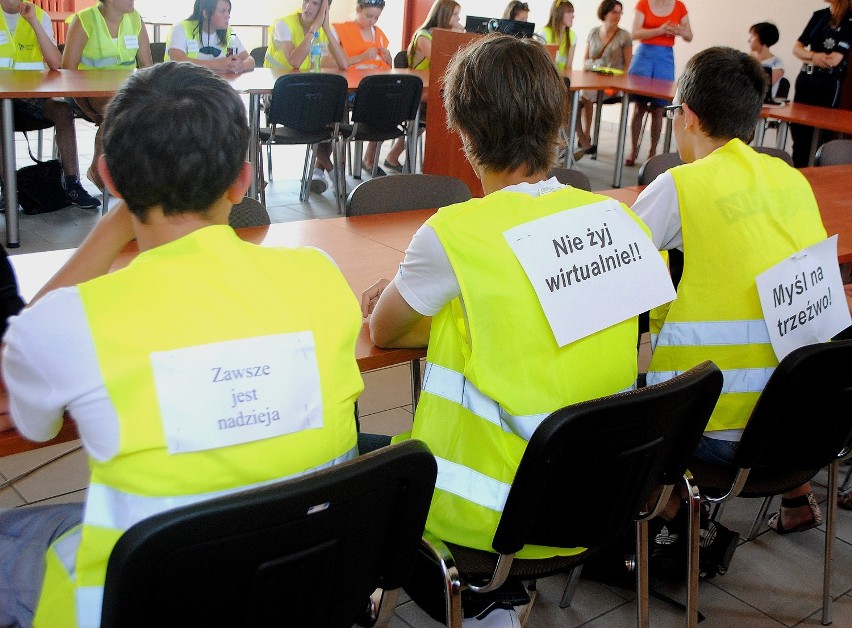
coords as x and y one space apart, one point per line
797 502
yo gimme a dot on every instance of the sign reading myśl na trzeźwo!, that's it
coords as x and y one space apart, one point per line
591 267
802 298
237 391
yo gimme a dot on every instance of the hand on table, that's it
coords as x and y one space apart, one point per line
371 295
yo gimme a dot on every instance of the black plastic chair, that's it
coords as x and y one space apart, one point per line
400 59
306 552
307 108
572 177
259 56
775 152
405 192
656 166
834 153
608 457
386 107
248 213
158 51
802 422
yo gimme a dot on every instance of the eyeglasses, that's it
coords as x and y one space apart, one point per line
372 3
670 110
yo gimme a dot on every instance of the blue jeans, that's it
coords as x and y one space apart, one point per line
715 451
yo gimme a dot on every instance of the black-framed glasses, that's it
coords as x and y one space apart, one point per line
670 110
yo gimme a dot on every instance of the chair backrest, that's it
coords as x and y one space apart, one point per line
783 88
569 176
834 153
248 213
603 458
385 101
308 102
306 552
400 59
657 165
158 51
403 192
803 417
775 152
259 55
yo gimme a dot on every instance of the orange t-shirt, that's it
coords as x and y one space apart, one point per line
354 44
655 21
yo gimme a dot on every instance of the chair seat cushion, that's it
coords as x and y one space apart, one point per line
369 133
287 135
715 480
477 565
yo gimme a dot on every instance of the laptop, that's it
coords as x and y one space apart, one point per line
485 25
767 97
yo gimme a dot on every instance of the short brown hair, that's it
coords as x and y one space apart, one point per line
506 98
606 6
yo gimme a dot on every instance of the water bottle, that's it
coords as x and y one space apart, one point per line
316 53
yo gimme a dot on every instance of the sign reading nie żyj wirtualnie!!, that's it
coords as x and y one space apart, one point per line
802 298
591 267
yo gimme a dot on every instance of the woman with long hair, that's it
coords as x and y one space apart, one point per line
558 31
517 10
205 38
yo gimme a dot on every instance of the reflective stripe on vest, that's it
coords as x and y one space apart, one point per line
108 507
735 380
106 62
7 62
709 333
454 386
471 485
21 50
272 61
65 548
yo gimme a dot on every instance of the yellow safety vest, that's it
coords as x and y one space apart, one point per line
764 212
424 62
565 46
193 34
101 51
275 58
205 288
20 50
494 375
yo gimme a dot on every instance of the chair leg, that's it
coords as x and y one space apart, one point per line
760 518
571 586
694 504
338 158
356 154
642 598
306 172
828 560
269 162
415 383
387 607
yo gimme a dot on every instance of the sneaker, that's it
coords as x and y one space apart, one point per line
77 195
716 549
318 184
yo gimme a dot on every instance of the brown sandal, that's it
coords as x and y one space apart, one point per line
797 502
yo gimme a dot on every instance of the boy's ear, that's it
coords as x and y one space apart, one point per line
238 188
106 177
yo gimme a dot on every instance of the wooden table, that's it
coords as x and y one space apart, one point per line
356 244
838 120
835 203
104 83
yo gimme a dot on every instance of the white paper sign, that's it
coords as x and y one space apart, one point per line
802 298
131 42
238 391
591 267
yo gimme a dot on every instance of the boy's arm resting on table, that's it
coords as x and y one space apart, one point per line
393 322
97 253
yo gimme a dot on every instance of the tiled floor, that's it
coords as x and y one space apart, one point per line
773 580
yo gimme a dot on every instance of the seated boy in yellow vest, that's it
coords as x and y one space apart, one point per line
198 370
494 368
734 213
26 43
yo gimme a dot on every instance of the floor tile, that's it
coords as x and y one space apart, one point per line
390 422
68 474
12 466
385 389
590 600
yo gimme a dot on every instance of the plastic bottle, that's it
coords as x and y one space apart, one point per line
316 53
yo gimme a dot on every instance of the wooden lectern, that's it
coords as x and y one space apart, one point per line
443 151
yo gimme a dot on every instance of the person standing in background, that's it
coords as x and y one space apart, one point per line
656 24
558 31
205 38
366 46
824 48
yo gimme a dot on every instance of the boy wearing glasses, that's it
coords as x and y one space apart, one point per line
734 213
182 388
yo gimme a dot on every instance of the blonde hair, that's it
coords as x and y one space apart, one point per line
557 19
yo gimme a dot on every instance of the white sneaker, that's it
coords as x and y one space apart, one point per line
318 184
497 618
